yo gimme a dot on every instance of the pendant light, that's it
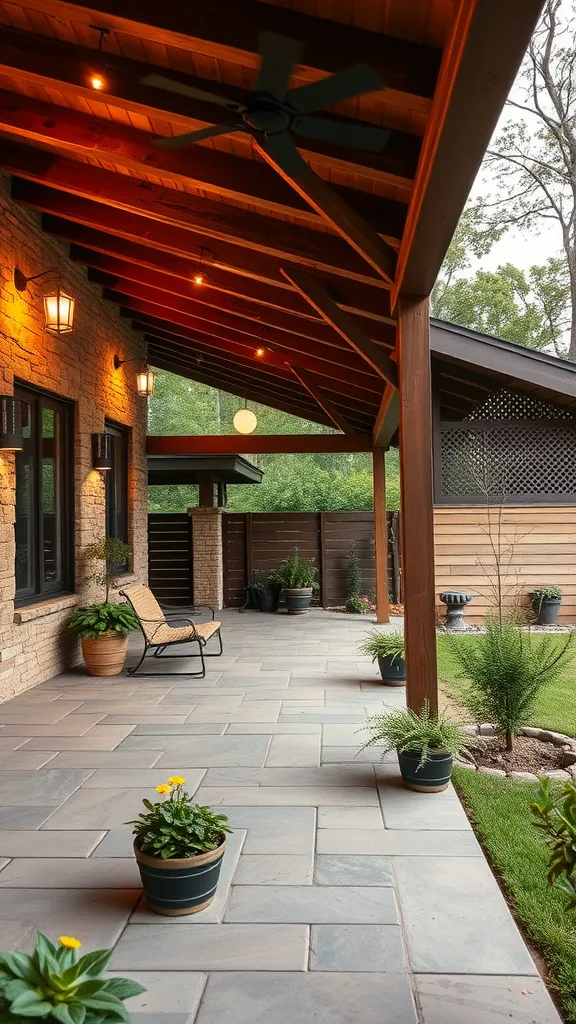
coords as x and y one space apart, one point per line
96 78
245 421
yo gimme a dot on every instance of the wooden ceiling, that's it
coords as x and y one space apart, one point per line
301 271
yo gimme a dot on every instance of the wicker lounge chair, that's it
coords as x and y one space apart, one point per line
159 633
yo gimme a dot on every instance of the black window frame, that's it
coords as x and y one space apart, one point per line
41 589
117 485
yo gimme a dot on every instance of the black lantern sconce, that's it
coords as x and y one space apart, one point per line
58 306
10 424
102 451
144 377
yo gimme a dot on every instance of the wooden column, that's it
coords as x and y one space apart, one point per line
206 490
380 536
417 513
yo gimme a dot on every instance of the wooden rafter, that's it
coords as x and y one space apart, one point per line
318 394
313 290
387 419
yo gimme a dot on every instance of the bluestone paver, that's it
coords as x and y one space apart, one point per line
312 904
357 947
343 869
488 999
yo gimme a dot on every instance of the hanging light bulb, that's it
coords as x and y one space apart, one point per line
245 421
58 311
96 78
97 82
200 277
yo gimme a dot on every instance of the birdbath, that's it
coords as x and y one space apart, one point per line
455 601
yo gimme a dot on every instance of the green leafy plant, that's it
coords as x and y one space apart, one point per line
404 729
551 593
105 561
176 827
555 814
91 622
507 668
356 604
266 581
296 573
53 984
383 645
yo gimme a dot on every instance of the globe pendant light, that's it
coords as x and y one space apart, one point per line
245 421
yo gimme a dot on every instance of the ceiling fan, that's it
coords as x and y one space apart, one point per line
273 109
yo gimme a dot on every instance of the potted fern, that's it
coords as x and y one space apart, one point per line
388 650
179 848
298 579
546 603
103 628
425 743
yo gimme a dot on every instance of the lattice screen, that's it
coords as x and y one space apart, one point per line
514 448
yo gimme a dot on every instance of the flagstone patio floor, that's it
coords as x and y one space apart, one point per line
344 898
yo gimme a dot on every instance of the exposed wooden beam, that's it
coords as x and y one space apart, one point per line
479 64
307 380
417 508
233 36
58 67
257 444
215 221
209 170
313 290
388 417
280 152
380 536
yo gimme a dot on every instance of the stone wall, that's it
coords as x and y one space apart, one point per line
208 564
77 366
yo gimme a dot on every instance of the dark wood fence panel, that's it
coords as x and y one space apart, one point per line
341 531
170 558
235 567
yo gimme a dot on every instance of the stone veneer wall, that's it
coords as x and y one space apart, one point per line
208 564
76 366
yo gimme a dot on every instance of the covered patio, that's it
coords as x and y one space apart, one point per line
344 896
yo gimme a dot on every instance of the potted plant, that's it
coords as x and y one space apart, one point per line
179 847
425 744
103 628
546 603
56 986
388 650
267 589
298 578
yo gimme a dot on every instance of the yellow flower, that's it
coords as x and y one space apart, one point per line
164 788
177 780
69 942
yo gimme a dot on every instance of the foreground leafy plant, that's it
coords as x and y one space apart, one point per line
404 729
177 827
383 645
91 622
507 668
54 985
555 815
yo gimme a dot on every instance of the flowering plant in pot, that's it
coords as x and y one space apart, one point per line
546 603
388 650
179 847
54 985
298 579
103 628
425 744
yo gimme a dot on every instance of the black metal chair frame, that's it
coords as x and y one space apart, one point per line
159 648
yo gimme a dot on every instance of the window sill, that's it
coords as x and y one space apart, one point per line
125 579
27 613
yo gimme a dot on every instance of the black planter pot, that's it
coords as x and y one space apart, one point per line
547 611
432 777
268 599
298 600
392 670
178 887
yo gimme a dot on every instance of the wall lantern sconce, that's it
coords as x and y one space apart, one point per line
245 421
102 451
58 306
10 424
144 377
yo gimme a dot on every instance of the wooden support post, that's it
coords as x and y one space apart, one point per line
380 536
417 512
206 490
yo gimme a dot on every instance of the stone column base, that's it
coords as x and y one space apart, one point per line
208 561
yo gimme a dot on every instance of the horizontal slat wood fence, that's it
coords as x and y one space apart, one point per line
170 558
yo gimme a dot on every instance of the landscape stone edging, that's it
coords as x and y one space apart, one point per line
568 744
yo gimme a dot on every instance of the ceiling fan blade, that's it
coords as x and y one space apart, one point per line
176 141
160 82
282 149
356 136
354 81
279 55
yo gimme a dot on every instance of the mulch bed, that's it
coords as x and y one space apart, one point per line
529 755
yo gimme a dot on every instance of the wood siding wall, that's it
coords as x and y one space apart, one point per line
540 540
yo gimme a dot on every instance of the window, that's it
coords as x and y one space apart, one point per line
44 498
117 485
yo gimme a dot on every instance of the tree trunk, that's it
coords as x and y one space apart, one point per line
509 741
572 271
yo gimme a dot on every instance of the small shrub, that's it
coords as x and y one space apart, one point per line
177 827
357 605
55 986
107 557
295 573
91 622
555 815
404 729
383 645
507 667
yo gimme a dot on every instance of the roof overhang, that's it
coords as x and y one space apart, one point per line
192 469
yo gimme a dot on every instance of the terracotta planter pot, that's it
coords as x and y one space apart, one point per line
106 655
178 887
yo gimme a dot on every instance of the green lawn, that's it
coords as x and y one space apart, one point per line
500 812
556 706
